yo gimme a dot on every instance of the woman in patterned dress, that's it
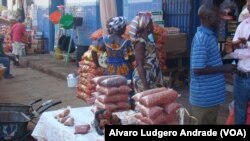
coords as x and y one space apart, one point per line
119 50
147 73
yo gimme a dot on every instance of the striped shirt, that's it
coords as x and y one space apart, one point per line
206 90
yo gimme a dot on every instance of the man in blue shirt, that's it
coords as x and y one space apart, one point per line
207 86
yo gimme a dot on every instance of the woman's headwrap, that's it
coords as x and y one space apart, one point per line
139 23
115 24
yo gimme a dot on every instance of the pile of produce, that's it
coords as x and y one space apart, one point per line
156 106
160 38
87 71
65 118
111 93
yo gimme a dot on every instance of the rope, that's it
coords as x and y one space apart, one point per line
194 119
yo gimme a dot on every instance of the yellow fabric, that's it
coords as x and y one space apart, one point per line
95 48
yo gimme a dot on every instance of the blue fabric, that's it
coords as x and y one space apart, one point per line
241 98
113 60
6 62
206 90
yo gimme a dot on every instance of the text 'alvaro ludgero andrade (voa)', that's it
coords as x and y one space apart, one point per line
161 132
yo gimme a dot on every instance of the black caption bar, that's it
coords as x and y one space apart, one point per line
176 132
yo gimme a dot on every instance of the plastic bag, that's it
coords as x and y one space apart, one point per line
171 108
114 81
82 129
107 106
164 97
99 79
107 91
138 96
151 112
112 98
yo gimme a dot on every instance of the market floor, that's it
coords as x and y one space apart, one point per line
30 84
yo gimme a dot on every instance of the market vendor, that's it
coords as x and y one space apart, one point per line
119 50
147 73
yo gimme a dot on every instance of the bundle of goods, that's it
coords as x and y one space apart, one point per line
97 34
105 117
156 106
160 38
87 71
65 118
111 93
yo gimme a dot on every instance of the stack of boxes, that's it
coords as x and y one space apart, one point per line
157 17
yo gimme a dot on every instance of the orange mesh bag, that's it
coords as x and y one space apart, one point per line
55 17
97 34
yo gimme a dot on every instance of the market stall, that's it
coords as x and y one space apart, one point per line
156 106
49 129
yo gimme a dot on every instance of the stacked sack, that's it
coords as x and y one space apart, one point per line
160 38
111 93
87 71
156 106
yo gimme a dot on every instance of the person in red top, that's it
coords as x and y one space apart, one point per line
17 32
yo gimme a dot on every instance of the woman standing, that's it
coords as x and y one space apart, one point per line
119 51
147 73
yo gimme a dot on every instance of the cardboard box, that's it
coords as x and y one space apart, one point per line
176 43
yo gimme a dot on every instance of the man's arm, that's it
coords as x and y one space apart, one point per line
199 62
228 68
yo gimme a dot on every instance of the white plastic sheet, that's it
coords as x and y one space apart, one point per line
49 129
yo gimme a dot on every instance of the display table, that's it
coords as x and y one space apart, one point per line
49 129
